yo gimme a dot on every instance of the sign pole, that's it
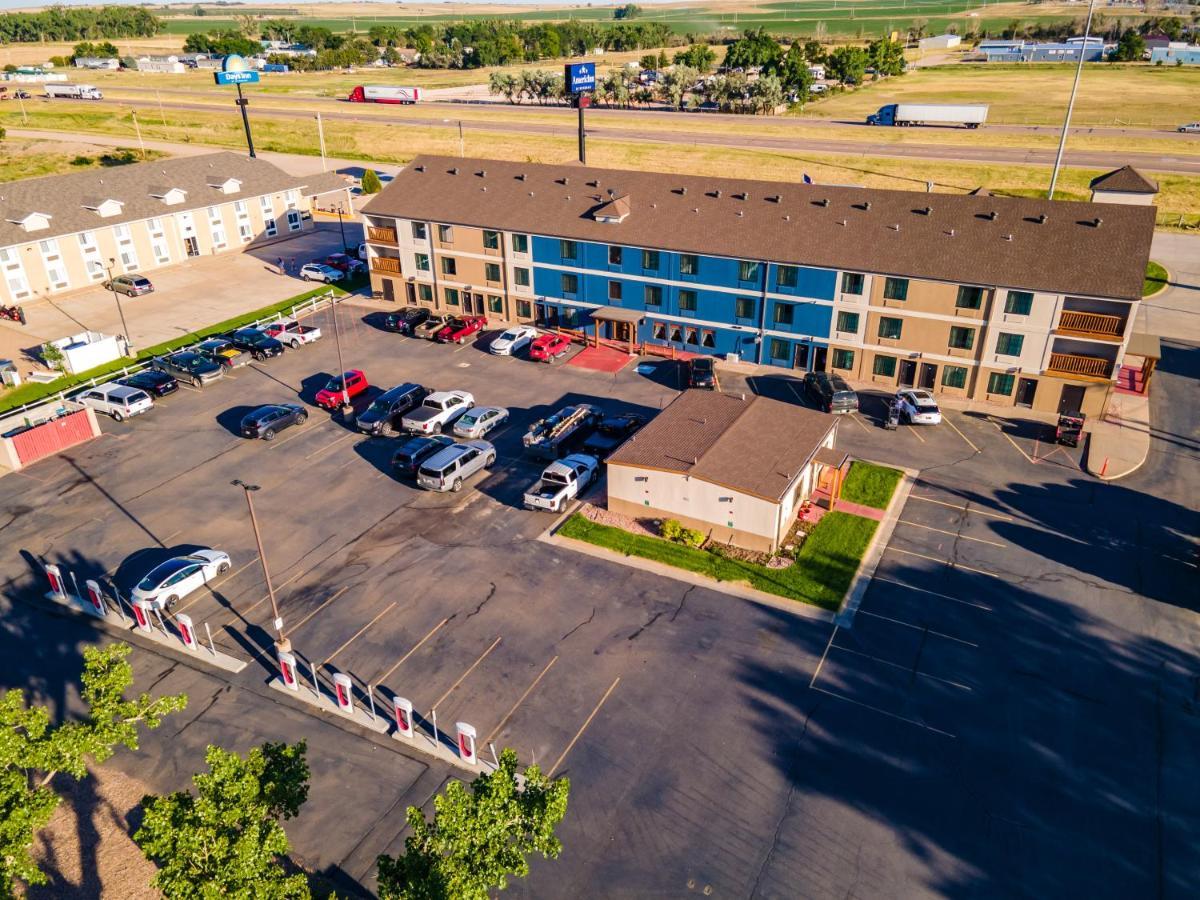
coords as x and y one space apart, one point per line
582 104
580 81
242 102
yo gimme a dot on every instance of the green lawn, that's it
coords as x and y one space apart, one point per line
1156 278
870 485
820 576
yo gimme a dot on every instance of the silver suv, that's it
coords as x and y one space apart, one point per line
447 469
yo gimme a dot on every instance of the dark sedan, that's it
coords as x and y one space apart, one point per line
702 373
157 384
406 320
257 344
414 452
267 421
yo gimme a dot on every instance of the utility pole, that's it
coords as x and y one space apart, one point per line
120 310
282 644
462 146
24 115
337 339
161 113
321 136
138 129
1062 141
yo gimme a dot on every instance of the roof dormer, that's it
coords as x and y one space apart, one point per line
170 196
614 212
105 207
30 221
226 185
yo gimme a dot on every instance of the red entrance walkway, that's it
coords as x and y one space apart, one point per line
601 359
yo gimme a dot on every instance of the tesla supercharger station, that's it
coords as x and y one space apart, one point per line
466 742
57 587
141 612
404 719
96 597
187 631
343 692
287 671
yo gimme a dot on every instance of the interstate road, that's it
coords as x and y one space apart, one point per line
1003 155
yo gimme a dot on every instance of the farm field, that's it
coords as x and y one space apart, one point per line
33 158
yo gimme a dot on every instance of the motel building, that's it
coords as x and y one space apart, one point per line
1011 300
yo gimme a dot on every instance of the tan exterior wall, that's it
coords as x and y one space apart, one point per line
725 535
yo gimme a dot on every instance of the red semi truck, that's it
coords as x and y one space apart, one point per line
377 93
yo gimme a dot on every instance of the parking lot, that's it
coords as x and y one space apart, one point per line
1025 639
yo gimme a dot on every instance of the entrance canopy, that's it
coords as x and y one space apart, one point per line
1144 345
618 314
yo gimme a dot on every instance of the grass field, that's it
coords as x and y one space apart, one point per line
1156 278
33 159
870 485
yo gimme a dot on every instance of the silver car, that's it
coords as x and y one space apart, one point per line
478 421
447 469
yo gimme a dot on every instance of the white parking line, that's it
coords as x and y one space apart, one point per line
945 562
921 590
829 644
953 534
946 418
924 628
886 662
341 440
884 712
982 512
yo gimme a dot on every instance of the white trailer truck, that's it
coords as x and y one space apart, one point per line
67 91
971 115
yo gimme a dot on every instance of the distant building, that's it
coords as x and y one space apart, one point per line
1124 185
160 64
97 62
1174 55
939 42
408 55
1092 50
210 63
817 71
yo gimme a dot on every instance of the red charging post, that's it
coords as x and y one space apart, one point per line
404 719
96 596
57 586
187 631
466 742
141 613
343 691
287 671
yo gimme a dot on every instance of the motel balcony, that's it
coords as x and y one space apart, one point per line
378 235
386 265
1095 320
1081 361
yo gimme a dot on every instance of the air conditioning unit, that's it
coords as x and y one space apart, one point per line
732 357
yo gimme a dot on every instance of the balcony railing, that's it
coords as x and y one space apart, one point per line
1076 366
382 235
1094 325
385 264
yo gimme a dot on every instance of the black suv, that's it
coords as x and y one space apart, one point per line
158 384
830 393
386 411
413 452
702 373
254 342
405 320
266 421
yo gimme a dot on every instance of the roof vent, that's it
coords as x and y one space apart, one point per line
927 211
568 196
695 209
482 173
564 180
594 183
717 193
824 201
420 168
744 195
1041 219
950 232
866 204
776 198
842 223
612 193
484 188
454 171
787 218
531 193
521 176
741 213
1097 222
895 227
654 206
1008 237
993 215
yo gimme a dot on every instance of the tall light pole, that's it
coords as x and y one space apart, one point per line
341 227
462 146
282 644
1062 140
321 137
337 339
116 296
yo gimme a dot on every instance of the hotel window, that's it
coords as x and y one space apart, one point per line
708 339
962 338
653 295
524 310
449 266
969 297
451 296
614 255
295 223
125 248
567 249
268 210
676 334
788 276
491 240
843 359
890 328
422 262
650 260
491 272
520 243
245 231
747 271
14 273
687 301
852 283
614 291
569 317
784 313
691 337
689 264
418 231
158 241
91 255
495 304
217 227
954 376
521 277
570 283
1009 344
1000 383
1018 303
884 365
56 272
425 293
779 349
895 289
660 331
847 321
743 308
446 234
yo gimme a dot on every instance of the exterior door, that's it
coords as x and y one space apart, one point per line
192 247
819 355
928 376
800 360
389 290
908 372
1071 399
1026 388
410 293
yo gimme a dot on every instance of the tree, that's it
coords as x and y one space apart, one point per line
33 751
753 48
479 838
814 52
102 50
847 64
886 57
648 61
766 94
627 11
226 840
676 83
793 73
371 183
247 25
699 57
221 43
1130 48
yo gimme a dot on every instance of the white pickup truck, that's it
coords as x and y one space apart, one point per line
562 481
436 411
292 333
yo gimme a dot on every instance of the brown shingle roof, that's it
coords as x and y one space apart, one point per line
1126 179
746 443
859 229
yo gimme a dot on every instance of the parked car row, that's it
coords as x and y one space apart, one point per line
332 269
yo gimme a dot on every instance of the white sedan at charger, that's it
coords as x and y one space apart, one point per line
174 579
918 407
512 340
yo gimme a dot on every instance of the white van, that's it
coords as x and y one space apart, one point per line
117 400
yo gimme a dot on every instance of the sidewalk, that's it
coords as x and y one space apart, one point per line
1120 440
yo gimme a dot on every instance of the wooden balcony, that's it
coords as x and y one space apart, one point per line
386 264
1091 325
382 235
1072 365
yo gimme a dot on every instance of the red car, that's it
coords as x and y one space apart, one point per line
549 347
344 263
330 396
457 330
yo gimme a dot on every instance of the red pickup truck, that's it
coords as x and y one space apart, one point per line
456 331
549 347
352 383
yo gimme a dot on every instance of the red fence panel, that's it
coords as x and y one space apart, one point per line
52 437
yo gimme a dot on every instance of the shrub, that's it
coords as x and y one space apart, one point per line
673 530
670 529
371 183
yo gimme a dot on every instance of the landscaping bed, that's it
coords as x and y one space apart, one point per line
870 485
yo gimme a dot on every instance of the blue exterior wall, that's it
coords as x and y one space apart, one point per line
714 324
1188 56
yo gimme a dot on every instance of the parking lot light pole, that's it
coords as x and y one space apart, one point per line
337 339
341 212
282 644
117 297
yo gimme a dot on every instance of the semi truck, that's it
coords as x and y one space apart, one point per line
971 115
74 91
382 93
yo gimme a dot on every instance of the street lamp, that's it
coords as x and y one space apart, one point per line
341 212
282 644
337 339
116 296
462 147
